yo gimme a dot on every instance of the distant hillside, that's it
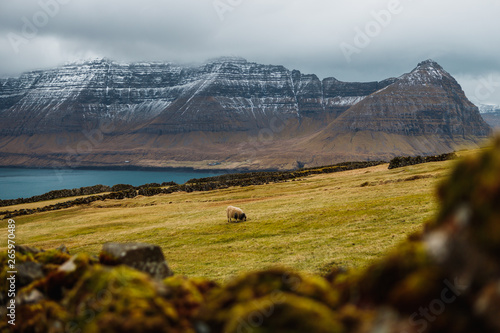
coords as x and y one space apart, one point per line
488 108
226 114
490 114
422 111
493 119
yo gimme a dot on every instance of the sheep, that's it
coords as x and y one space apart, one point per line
235 213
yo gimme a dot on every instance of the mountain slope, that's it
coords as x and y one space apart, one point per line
226 94
492 119
427 100
424 110
490 114
230 111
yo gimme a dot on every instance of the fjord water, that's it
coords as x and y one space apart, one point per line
25 183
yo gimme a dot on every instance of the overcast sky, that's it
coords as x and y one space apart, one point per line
352 40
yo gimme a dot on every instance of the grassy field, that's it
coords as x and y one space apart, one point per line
347 219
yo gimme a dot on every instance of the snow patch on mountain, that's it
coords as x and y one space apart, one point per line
488 108
426 72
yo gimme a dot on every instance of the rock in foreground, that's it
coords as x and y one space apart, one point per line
143 257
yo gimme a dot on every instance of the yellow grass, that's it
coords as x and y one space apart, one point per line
34 205
309 224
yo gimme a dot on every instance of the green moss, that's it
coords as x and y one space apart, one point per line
122 299
345 282
204 286
187 295
65 277
55 256
45 316
4 264
291 313
273 283
20 258
107 259
355 319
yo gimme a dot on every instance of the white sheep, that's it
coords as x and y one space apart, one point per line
235 213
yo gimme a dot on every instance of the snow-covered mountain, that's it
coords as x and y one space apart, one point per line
226 94
424 110
490 114
488 108
151 113
428 100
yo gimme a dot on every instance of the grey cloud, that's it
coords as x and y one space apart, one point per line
300 34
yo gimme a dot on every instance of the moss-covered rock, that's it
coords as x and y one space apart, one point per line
63 279
45 316
19 258
470 199
290 314
122 299
407 270
272 284
187 295
55 256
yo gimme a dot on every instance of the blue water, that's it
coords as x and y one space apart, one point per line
25 183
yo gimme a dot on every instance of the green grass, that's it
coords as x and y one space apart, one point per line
309 224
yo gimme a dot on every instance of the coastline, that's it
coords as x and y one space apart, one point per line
145 168
21 182
122 191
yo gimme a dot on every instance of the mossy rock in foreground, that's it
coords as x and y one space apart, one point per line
144 257
187 295
271 284
287 313
43 316
405 278
49 261
83 296
121 299
470 199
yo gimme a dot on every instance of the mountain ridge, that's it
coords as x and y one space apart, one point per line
240 114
